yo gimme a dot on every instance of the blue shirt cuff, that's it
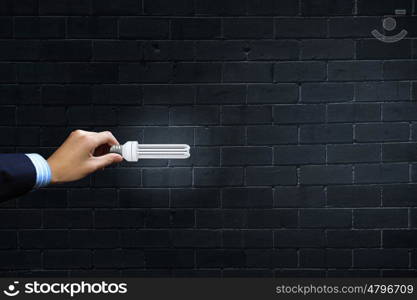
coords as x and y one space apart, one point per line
43 171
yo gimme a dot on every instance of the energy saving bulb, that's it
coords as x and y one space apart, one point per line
133 151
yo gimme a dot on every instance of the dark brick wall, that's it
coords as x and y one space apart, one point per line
302 127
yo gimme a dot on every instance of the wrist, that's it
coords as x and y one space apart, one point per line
54 176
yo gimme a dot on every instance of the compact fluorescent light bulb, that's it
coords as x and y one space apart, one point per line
133 151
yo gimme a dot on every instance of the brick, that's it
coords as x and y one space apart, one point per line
166 177
366 7
180 218
41 239
8 73
243 156
166 7
219 136
170 135
296 114
248 28
74 259
200 156
353 112
147 115
327 49
93 73
354 71
231 176
20 259
9 240
267 218
246 197
221 94
7 115
259 176
327 92
124 7
196 238
399 112
19 94
352 27
325 218
262 258
117 51
41 73
51 198
119 94
273 93
380 258
94 239
92 27
168 94
399 195
247 72
197 72
9 136
383 91
145 72
399 70
26 136
299 196
353 238
143 197
220 258
39 27
372 49
296 238
143 28
146 238
399 238
25 7
354 196
230 218
218 7
66 94
380 218
16 50
271 7
6 27
82 115
321 134
273 50
168 50
197 115
317 175
299 71
399 152
53 116
319 8
382 132
118 178
74 218
195 28
257 238
203 198
64 7
353 153
271 135
300 28
220 50
165 258
65 50
118 258
385 173
118 218
299 155
253 114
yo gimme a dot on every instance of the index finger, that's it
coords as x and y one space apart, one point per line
105 137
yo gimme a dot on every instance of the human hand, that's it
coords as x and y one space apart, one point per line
81 154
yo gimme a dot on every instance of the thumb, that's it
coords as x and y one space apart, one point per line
103 161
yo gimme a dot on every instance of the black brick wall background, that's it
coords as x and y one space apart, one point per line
302 127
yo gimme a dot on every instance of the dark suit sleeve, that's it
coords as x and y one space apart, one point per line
17 175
